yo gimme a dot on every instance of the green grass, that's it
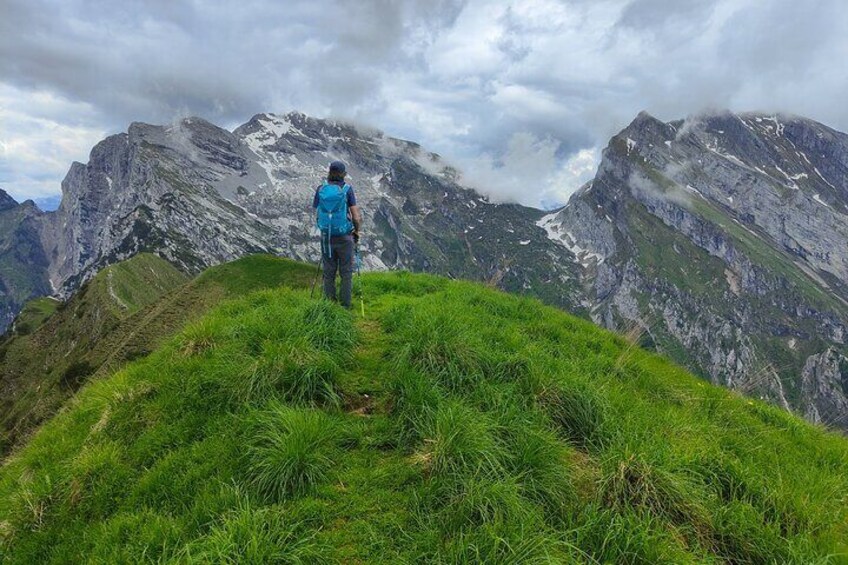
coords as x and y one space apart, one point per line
34 314
290 450
452 424
125 312
130 285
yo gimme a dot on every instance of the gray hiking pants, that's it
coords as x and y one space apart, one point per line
339 257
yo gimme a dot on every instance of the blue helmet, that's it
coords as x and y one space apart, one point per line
337 167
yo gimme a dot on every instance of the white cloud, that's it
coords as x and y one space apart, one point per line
524 93
529 172
470 46
41 135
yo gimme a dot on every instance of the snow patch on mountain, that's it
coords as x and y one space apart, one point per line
818 199
553 226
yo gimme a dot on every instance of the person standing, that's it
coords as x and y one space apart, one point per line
339 221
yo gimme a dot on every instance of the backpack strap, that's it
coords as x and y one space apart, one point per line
345 189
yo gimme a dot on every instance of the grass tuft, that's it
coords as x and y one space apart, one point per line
545 469
329 327
290 451
248 534
610 536
295 372
202 335
579 412
415 400
462 441
635 483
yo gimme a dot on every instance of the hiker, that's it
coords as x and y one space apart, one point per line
339 221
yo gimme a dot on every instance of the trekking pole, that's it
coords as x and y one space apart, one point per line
359 278
317 273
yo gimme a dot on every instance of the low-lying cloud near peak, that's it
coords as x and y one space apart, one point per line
522 96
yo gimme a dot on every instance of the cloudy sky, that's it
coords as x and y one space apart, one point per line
521 95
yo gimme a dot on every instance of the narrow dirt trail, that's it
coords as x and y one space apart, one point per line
363 385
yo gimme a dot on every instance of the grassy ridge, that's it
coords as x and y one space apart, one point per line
34 313
130 285
454 424
125 312
42 368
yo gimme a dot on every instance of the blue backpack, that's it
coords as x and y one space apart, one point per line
332 210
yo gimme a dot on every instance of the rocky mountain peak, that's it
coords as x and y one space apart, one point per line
6 201
644 126
727 235
198 195
722 238
22 260
643 119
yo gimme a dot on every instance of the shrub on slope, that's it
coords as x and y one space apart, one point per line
453 424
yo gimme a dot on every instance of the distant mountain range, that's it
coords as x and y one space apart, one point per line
720 240
48 203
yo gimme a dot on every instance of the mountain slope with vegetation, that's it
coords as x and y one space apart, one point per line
124 313
53 347
723 239
34 313
452 423
23 263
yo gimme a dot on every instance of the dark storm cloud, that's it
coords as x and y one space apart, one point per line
522 95
150 60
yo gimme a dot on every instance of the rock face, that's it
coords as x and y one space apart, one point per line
151 189
725 238
720 240
824 382
23 264
199 195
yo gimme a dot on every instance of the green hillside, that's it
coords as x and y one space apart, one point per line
45 364
452 424
125 312
34 313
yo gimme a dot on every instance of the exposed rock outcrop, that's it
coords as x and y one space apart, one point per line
824 388
726 237
723 238
23 264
